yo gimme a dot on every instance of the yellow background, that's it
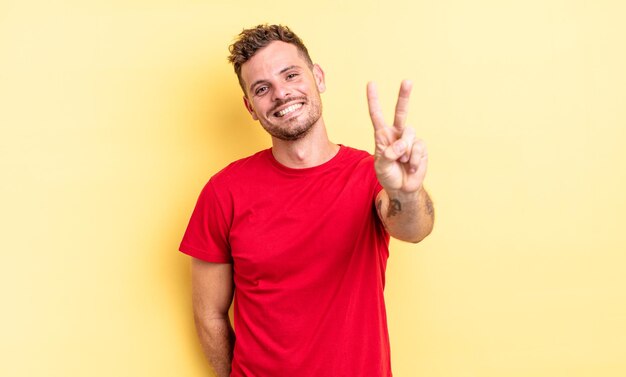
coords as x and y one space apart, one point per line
113 114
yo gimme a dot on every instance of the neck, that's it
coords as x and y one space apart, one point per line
312 150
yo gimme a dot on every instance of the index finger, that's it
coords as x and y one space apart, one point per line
376 113
402 106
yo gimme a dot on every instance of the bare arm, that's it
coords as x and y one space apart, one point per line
406 217
212 294
404 206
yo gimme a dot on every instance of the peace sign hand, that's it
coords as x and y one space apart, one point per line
400 158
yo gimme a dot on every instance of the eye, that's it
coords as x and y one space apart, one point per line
260 90
291 76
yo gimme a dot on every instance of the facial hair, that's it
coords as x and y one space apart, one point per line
294 128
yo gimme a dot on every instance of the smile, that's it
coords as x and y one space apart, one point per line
288 110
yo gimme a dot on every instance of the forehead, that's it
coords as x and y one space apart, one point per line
270 60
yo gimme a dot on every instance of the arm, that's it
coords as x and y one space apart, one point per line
404 206
212 294
407 217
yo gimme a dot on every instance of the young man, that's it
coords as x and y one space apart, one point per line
299 233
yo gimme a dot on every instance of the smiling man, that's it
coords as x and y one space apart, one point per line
298 234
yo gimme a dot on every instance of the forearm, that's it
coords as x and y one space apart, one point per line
218 340
406 216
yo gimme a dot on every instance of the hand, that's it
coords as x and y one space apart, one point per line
400 158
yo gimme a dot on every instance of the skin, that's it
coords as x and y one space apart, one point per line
212 294
401 159
269 90
278 77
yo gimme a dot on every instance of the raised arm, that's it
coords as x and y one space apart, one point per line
212 293
401 159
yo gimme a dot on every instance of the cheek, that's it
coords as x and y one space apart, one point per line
313 87
260 108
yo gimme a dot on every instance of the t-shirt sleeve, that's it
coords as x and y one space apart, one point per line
376 186
206 236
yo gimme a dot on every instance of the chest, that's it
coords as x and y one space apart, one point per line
299 224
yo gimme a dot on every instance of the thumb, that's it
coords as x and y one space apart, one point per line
396 150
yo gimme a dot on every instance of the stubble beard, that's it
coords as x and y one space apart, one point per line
295 128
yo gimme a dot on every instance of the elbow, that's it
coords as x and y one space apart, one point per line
417 239
416 236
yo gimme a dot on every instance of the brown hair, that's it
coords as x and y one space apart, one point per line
252 40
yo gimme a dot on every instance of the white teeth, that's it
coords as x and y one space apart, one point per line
289 109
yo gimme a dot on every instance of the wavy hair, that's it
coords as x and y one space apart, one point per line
249 41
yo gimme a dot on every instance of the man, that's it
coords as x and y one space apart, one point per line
299 233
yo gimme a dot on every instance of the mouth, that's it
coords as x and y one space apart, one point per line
288 110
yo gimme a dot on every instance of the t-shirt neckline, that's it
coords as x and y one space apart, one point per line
302 171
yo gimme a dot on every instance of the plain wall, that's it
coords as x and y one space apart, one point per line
113 115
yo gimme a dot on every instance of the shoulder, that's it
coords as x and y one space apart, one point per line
354 152
244 168
357 157
360 164
236 176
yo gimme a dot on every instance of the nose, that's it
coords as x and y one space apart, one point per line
281 92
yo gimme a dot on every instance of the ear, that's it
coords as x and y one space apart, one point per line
249 107
318 74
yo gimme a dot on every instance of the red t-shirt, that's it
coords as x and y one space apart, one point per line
309 256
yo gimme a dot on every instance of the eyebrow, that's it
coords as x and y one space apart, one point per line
280 73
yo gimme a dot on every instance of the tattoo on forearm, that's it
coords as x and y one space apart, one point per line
429 207
394 207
